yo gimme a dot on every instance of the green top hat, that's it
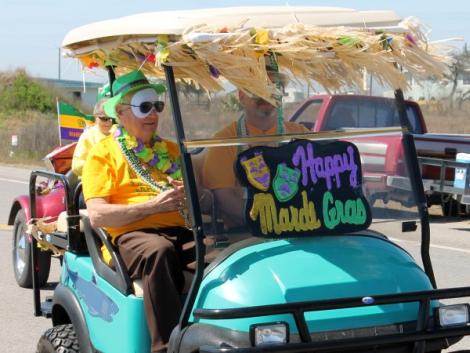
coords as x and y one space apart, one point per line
126 84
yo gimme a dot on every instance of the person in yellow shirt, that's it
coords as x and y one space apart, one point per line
91 136
258 118
133 189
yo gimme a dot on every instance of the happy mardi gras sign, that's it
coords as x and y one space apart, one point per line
303 188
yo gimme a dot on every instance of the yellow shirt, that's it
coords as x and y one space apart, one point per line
107 174
219 165
87 140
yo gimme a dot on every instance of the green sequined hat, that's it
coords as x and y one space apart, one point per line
126 84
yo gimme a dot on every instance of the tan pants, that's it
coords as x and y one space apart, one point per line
155 256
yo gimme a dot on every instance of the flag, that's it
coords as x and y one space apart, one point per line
72 122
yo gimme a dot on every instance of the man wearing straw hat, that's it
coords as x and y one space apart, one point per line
133 189
259 117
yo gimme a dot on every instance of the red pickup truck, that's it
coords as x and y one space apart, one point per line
384 154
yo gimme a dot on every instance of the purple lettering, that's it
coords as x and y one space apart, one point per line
329 167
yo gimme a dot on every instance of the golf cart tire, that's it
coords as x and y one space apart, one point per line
24 277
59 339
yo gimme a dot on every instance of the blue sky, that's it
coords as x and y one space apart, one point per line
31 31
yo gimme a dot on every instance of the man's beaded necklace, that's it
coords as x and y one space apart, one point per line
156 157
243 132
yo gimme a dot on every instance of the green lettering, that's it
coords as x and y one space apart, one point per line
347 212
329 215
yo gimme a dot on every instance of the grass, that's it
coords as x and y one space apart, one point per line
37 135
456 122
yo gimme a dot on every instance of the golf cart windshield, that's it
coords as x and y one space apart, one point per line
295 185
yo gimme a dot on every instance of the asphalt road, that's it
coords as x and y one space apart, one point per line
20 330
13 182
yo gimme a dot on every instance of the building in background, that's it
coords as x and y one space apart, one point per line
79 92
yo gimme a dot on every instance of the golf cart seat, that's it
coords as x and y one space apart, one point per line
115 272
206 197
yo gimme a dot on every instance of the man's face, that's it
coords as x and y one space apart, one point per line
137 123
257 107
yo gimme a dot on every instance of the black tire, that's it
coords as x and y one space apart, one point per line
452 208
21 256
59 339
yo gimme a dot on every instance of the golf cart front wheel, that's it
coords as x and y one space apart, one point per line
59 339
22 266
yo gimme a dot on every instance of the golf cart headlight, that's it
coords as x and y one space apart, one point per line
453 315
273 333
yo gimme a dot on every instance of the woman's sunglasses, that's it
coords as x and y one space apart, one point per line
105 119
146 107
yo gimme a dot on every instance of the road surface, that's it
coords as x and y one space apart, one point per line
450 252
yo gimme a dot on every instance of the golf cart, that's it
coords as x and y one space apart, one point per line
312 268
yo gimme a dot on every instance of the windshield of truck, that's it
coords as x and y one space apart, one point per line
303 186
359 112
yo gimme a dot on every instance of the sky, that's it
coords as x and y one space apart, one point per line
31 31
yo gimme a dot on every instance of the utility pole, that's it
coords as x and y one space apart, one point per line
59 65
364 80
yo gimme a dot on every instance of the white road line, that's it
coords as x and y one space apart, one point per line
14 181
442 247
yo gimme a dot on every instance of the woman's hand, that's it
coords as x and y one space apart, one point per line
170 200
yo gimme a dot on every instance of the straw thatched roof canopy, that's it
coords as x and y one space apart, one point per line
331 46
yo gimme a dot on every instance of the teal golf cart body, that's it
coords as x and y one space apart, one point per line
313 267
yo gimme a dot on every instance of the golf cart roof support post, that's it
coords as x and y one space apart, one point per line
423 315
34 248
111 78
417 187
191 194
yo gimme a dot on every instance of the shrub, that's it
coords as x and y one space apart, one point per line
37 135
21 93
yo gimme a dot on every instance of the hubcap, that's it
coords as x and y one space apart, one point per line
20 251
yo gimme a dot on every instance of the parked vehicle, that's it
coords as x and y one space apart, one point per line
384 157
311 270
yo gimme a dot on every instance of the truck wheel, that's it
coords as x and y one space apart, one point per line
452 208
59 339
22 256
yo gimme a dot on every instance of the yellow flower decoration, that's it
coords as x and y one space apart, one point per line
131 141
162 52
160 146
262 36
167 165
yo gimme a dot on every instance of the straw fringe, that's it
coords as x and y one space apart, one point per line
334 57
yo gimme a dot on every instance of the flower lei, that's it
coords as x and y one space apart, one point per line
157 156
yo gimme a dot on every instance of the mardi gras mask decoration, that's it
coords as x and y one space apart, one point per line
257 172
286 182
